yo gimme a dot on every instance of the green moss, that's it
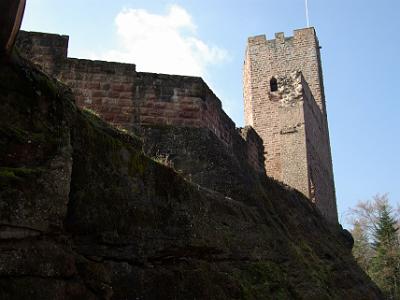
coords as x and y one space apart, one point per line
111 145
138 164
20 172
313 269
7 174
22 136
28 80
97 137
264 280
91 114
46 85
114 131
99 132
12 175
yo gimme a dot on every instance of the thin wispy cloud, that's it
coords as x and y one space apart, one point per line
162 43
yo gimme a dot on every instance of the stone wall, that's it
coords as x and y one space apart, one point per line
181 101
280 122
284 55
251 147
130 99
321 181
292 120
104 87
46 50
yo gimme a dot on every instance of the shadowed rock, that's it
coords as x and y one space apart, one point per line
84 214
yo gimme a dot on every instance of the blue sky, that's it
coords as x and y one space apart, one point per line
360 54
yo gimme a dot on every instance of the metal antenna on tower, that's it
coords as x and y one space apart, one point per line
307 17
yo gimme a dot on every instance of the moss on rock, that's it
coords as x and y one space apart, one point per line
104 221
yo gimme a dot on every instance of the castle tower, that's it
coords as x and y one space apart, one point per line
284 102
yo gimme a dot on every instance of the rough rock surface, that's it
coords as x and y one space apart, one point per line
85 214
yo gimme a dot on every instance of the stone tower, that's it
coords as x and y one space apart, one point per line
284 102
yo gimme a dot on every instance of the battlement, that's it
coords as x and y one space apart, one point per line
131 99
284 55
298 34
284 101
258 39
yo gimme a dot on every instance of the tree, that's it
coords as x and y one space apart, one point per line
362 250
386 261
376 243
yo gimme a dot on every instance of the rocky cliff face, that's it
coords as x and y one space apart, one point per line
85 214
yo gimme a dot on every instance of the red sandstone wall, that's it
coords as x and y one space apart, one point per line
282 119
216 119
279 119
127 98
104 87
318 155
48 51
280 57
254 148
181 101
169 100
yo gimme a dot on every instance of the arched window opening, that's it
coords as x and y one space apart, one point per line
273 83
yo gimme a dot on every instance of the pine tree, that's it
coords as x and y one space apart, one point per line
385 265
385 233
376 243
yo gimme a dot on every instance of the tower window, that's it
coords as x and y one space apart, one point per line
273 83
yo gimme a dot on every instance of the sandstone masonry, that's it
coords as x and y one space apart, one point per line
289 121
130 99
285 103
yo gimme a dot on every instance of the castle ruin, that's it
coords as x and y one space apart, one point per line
287 133
284 102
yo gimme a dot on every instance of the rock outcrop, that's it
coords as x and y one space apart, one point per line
86 214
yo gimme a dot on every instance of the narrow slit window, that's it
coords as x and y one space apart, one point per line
273 83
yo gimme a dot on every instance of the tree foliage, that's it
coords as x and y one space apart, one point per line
376 243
